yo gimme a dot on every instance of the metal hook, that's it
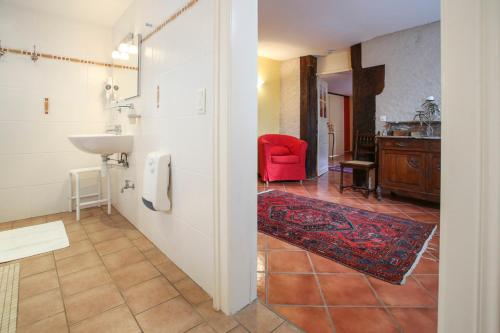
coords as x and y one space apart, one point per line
2 52
34 55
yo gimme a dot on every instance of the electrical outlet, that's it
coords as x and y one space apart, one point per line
201 101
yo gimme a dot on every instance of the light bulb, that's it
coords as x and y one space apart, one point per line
124 56
132 49
123 48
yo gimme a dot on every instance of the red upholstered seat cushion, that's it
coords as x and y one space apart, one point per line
279 151
285 159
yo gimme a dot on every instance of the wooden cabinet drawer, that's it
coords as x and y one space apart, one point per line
435 145
402 144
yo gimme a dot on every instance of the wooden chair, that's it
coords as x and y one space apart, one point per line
364 160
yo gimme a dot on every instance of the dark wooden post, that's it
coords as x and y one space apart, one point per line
309 111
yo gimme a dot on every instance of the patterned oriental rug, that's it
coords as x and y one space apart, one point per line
380 245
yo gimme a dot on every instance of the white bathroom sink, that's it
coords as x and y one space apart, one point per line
103 144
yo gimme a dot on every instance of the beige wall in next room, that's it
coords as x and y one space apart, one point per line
269 95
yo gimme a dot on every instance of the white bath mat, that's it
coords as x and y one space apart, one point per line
28 241
9 291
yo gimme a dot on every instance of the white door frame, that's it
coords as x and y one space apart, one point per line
469 288
469 282
235 149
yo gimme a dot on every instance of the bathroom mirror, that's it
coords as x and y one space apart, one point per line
126 67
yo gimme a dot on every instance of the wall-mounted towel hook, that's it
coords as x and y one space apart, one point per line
2 52
34 55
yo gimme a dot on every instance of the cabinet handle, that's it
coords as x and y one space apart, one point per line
413 162
400 144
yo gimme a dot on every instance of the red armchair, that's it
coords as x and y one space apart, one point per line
281 157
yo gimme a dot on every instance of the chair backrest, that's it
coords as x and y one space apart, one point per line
364 147
278 139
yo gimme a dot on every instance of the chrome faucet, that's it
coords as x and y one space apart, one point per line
128 185
116 129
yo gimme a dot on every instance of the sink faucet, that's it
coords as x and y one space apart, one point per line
117 129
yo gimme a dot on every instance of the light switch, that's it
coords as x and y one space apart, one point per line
383 118
201 103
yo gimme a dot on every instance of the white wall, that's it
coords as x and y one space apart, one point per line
179 60
35 154
290 97
412 70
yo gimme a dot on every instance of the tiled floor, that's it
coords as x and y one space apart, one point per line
113 279
320 295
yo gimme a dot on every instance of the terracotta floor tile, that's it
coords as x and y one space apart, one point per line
287 328
293 289
347 289
216 319
89 220
36 264
423 217
171 272
96 226
84 280
324 265
111 246
39 307
409 294
132 233
74 227
202 328
92 302
118 320
53 324
416 320
239 329
410 208
143 243
191 291
276 244
37 284
430 282
77 263
261 261
261 286
28 222
289 261
155 256
134 274
74 249
148 294
362 320
427 266
123 258
174 316
261 241
257 318
76 236
104 235
310 319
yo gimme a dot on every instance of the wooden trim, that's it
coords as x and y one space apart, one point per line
309 111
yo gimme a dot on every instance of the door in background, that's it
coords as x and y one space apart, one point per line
336 119
322 165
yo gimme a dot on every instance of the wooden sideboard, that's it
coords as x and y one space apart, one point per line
409 167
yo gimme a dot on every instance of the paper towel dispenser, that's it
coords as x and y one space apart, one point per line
156 181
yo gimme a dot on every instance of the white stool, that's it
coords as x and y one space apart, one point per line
78 204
